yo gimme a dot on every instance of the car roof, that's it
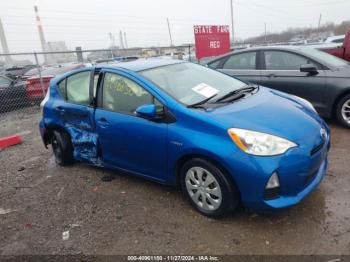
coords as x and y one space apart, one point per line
272 47
261 48
142 64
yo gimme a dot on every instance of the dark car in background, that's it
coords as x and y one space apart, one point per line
35 92
17 71
320 78
12 94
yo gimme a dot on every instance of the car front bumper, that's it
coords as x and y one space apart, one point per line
300 170
290 200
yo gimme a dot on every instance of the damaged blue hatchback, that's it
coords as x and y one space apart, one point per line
223 141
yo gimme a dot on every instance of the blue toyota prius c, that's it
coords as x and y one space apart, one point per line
223 141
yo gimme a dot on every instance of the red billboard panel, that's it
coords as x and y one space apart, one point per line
211 40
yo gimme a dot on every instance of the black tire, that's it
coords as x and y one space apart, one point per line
340 117
230 198
62 148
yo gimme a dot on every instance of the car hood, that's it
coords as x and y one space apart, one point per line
271 112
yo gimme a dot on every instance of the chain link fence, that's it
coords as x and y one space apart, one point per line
25 77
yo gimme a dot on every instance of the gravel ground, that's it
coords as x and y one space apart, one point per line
39 201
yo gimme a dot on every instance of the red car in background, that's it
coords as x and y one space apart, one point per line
341 51
36 93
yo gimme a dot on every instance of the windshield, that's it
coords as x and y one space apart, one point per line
190 83
325 57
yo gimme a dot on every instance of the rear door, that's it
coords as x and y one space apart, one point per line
76 113
281 71
241 65
127 141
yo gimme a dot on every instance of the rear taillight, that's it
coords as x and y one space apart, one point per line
30 82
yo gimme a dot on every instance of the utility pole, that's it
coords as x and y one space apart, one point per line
171 39
265 34
3 41
319 21
121 39
232 29
319 25
112 39
126 43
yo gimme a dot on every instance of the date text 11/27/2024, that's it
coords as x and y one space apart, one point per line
173 258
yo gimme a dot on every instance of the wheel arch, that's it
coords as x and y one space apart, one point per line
49 132
338 98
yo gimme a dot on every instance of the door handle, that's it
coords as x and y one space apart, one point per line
271 75
103 122
60 109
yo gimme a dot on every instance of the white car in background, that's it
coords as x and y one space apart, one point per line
337 39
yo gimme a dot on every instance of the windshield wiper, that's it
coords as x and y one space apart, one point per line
198 104
238 93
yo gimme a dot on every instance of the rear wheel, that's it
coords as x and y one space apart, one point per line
208 189
62 148
343 111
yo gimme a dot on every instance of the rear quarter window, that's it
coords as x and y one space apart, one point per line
215 64
78 88
62 89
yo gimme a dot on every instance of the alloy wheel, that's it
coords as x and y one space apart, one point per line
203 188
345 111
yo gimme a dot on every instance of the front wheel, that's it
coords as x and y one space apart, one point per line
208 189
343 111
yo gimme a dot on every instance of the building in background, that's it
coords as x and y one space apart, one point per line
60 46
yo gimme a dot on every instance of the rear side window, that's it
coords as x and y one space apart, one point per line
78 88
244 61
62 88
215 65
120 94
340 40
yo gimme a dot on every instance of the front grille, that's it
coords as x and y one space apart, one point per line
316 149
271 193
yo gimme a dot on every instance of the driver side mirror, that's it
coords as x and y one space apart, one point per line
309 68
148 111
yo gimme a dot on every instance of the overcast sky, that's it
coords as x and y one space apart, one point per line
87 23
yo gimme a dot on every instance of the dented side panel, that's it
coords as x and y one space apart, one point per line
79 123
85 144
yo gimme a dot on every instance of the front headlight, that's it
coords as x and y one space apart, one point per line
305 102
259 144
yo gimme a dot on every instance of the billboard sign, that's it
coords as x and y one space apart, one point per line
211 40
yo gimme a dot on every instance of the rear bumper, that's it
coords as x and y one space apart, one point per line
42 130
